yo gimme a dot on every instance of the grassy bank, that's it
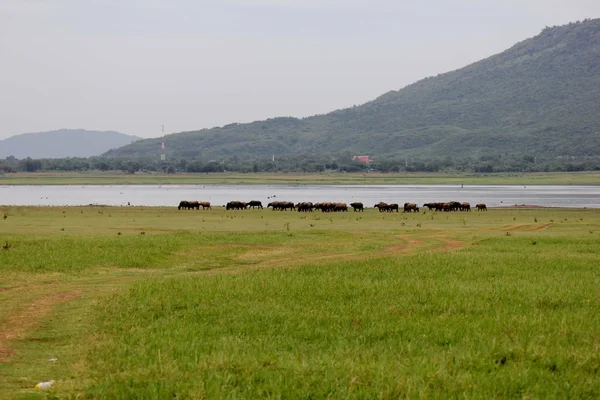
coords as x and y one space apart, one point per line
161 303
113 178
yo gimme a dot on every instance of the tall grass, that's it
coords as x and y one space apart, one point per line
483 323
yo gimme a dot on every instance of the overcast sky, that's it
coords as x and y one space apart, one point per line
133 65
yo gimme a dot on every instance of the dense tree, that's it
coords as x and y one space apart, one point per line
482 164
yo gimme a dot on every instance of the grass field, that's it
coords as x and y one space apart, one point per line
117 178
146 303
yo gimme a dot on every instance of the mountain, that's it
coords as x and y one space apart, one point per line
540 97
63 143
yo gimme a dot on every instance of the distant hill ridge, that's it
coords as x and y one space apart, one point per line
540 97
63 143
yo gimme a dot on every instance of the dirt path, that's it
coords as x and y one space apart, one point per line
18 325
525 227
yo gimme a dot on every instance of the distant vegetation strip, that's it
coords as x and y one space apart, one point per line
579 178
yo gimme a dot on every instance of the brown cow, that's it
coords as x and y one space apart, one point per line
465 206
410 207
382 206
306 206
481 207
454 206
340 207
205 205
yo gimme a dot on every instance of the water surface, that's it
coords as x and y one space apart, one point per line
578 196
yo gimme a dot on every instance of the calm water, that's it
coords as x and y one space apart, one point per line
170 195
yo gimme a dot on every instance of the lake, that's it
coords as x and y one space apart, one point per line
579 196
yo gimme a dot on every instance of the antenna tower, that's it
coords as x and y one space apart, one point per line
162 146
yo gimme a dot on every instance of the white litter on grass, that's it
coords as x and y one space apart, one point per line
53 359
44 385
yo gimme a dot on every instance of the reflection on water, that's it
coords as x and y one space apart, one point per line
170 195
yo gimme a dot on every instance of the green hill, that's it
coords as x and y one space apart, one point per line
541 97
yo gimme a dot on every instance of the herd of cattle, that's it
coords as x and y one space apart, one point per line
333 207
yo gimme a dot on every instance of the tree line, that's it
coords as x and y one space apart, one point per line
340 163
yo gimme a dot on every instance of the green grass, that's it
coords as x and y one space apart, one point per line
255 304
430 326
115 178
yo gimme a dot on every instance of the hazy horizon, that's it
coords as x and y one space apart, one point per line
133 65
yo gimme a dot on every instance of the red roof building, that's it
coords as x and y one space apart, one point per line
363 159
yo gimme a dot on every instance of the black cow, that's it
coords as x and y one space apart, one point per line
357 206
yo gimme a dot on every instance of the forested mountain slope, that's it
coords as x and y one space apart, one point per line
541 97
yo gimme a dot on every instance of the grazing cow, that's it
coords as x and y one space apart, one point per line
324 207
306 206
410 207
188 205
340 207
392 207
454 206
255 203
465 206
382 206
481 207
281 205
357 206
205 205
431 206
236 205
435 206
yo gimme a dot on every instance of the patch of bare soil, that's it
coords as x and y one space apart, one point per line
17 326
409 247
450 244
525 227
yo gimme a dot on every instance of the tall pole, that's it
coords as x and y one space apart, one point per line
162 146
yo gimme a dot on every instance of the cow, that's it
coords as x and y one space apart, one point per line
205 205
306 206
410 207
340 207
281 205
357 206
324 207
188 205
255 203
454 206
465 206
382 206
481 207
236 205
431 206
392 207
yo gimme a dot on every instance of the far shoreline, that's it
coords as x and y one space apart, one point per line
589 178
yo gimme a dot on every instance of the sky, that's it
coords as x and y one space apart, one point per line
135 65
